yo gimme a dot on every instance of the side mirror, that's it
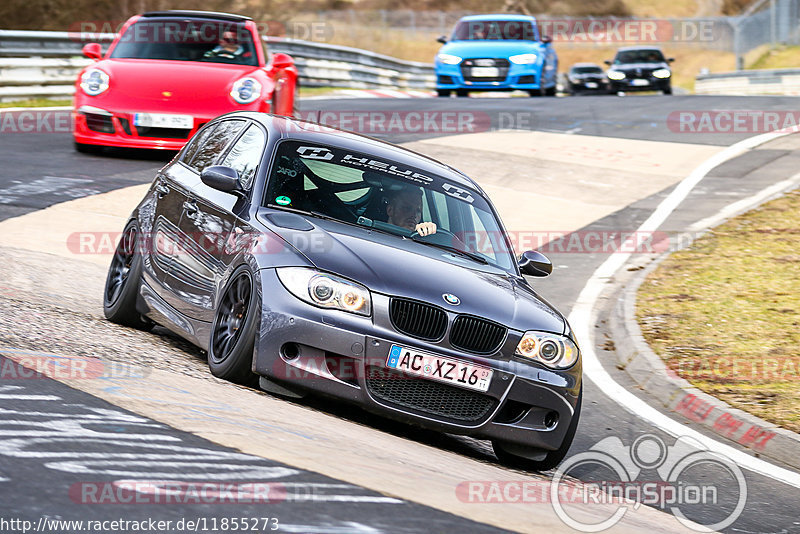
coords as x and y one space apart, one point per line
282 61
547 39
671 59
607 62
93 51
221 178
535 263
441 39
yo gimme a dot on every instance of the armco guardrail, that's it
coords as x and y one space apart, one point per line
750 82
37 64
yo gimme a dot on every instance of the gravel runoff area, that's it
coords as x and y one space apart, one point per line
54 305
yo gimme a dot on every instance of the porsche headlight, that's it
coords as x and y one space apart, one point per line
615 75
448 59
246 90
662 73
523 59
94 82
551 350
326 290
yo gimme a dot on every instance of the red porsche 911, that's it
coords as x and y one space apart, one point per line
170 72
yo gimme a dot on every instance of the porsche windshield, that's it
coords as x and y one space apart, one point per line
187 40
388 197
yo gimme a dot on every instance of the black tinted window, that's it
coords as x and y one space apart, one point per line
245 155
212 143
639 56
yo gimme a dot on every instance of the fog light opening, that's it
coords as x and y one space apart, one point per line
551 420
290 351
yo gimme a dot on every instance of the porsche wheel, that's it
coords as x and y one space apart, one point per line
122 282
230 351
533 460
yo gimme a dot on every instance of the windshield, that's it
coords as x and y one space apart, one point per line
639 56
182 40
388 197
495 30
586 70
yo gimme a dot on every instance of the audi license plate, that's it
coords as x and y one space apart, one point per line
163 120
485 72
438 368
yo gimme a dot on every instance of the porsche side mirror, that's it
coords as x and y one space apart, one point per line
93 51
441 39
535 263
282 61
671 59
221 178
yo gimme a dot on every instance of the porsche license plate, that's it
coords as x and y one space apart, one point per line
438 368
163 120
485 72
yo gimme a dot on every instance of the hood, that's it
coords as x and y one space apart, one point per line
477 49
140 84
393 266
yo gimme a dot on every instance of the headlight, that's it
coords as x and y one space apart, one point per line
448 59
246 91
94 82
615 75
523 59
662 73
552 350
326 290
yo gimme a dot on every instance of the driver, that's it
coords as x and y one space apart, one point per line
405 210
228 48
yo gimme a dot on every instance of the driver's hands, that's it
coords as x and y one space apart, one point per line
426 228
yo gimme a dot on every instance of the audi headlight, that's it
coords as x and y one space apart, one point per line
94 82
523 59
326 290
615 75
448 59
551 350
246 90
662 73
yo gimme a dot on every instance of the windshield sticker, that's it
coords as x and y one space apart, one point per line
315 152
283 201
288 172
388 168
459 193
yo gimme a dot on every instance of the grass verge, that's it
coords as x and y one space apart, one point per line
36 103
725 313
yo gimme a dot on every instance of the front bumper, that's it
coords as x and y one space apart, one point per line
639 84
524 77
344 356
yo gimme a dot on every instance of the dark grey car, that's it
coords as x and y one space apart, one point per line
266 243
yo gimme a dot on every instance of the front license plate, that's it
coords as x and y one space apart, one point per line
591 85
639 82
163 120
439 368
485 72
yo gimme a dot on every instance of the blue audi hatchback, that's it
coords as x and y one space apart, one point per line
496 53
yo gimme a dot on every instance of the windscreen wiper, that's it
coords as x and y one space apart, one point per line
471 255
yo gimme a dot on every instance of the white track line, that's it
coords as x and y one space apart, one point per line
582 318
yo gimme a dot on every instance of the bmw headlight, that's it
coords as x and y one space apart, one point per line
326 290
448 59
94 82
551 350
246 90
662 73
523 59
615 75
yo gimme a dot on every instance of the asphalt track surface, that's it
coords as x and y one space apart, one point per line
30 161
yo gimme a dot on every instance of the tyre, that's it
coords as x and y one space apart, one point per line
510 455
85 149
550 91
667 91
443 92
233 332
122 282
535 93
462 92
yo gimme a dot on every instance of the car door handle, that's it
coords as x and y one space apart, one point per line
161 190
190 208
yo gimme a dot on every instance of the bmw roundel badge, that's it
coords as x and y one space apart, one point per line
451 299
